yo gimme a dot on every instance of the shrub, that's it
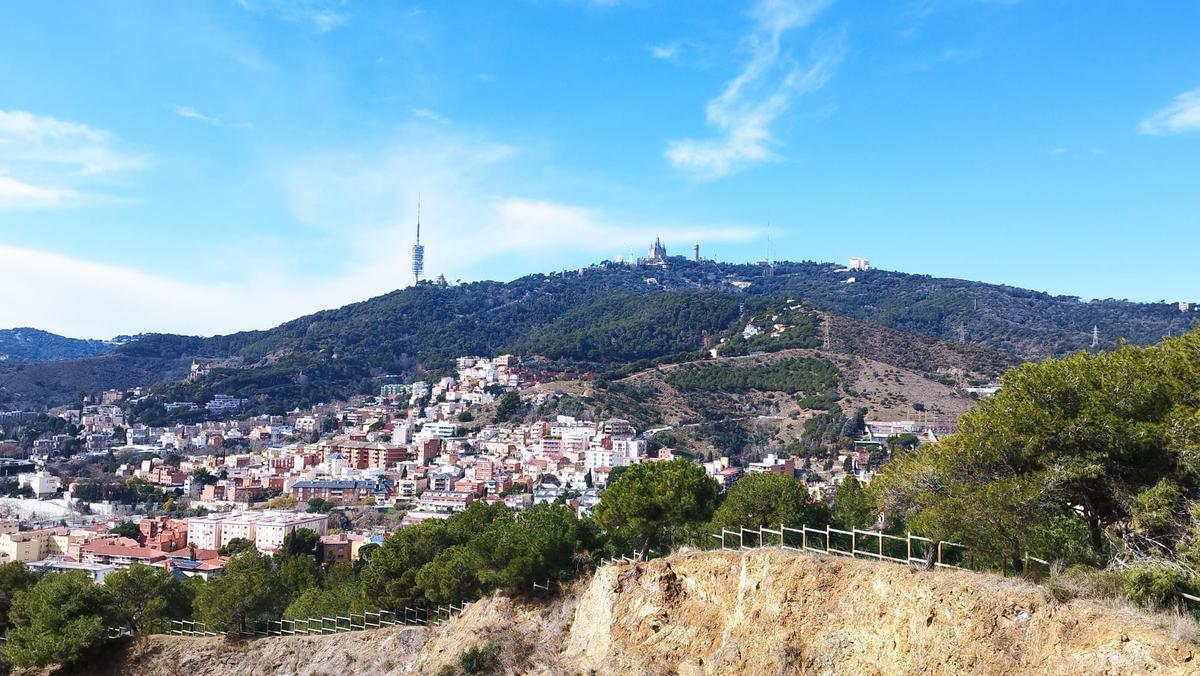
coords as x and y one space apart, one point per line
1153 584
480 659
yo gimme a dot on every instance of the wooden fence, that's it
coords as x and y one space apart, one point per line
856 543
412 616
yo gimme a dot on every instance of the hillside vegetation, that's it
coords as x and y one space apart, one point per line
24 345
601 319
762 612
1092 461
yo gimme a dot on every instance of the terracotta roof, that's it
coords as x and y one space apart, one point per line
104 549
201 554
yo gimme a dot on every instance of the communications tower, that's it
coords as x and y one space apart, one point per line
418 250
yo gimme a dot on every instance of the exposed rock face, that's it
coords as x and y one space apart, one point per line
775 612
760 612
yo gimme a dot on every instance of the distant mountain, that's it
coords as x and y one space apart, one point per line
607 318
26 345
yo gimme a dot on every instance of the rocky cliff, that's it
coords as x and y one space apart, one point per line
760 612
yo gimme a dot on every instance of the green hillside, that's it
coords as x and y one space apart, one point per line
607 318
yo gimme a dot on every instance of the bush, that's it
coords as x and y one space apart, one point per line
480 659
1153 584
1083 582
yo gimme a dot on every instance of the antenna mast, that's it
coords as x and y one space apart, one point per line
418 250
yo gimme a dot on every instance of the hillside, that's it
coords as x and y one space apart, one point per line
25 345
602 318
760 612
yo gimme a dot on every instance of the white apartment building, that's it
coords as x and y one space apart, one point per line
265 529
42 483
441 430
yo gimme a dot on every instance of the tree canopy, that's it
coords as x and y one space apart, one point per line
1103 447
765 499
58 620
652 496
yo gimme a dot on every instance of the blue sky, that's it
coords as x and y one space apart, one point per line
213 166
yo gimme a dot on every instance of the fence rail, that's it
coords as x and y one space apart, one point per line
876 545
308 626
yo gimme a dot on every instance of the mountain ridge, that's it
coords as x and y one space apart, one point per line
597 318
24 344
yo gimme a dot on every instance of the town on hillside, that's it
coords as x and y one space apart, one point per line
91 489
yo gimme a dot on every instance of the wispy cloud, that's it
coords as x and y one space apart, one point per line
428 114
666 52
25 137
322 16
469 194
742 114
16 194
363 201
1180 116
193 114
47 161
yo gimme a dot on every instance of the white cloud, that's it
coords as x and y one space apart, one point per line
666 52
25 137
470 215
321 15
742 114
47 161
428 114
58 293
359 206
1180 116
16 194
193 114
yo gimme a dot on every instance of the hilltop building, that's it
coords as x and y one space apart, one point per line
657 254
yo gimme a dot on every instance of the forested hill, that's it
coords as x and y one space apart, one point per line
33 345
600 318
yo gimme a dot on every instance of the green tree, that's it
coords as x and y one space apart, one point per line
294 575
58 620
235 546
510 404
366 551
452 576
301 542
319 506
537 545
337 595
144 596
1087 434
14 577
324 601
652 496
765 499
853 507
127 529
244 593
390 580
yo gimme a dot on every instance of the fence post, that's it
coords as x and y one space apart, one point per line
804 536
939 552
827 537
781 532
853 542
908 539
880 545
